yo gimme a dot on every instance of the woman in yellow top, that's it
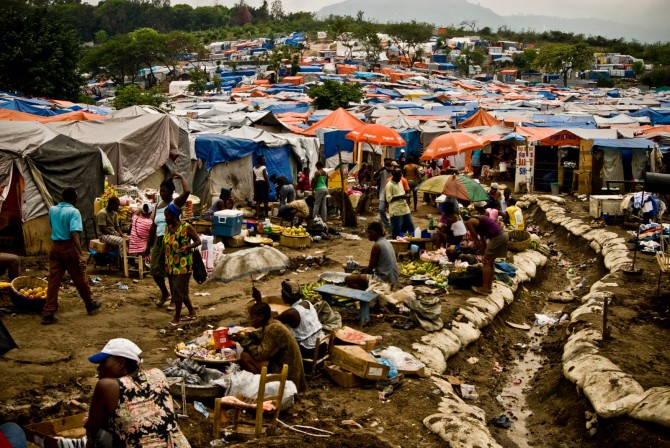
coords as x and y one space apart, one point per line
180 240
513 215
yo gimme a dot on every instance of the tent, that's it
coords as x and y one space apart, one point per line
480 118
338 119
137 146
36 164
11 115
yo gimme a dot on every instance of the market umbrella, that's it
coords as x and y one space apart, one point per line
434 185
376 134
452 144
249 262
462 187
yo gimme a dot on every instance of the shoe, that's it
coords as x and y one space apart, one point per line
48 320
93 307
170 307
160 302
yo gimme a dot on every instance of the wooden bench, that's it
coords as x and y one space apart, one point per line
351 296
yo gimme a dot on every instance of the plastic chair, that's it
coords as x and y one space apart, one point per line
97 250
319 357
255 405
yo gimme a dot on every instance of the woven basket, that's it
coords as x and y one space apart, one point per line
23 302
519 240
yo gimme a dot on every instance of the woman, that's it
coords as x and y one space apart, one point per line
365 174
301 319
130 408
261 186
225 202
320 187
180 240
304 184
140 229
277 346
155 245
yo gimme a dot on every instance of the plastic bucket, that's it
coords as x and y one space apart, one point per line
555 188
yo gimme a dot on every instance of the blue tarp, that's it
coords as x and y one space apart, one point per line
334 138
366 75
623 143
277 162
24 106
280 108
387 92
413 139
560 124
442 110
91 109
310 68
546 94
275 90
215 149
657 117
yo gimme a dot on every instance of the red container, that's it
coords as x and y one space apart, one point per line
221 339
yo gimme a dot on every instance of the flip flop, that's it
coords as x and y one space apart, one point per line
481 292
160 302
172 326
188 318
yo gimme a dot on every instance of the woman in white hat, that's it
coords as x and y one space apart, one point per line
130 407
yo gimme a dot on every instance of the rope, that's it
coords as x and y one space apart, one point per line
296 428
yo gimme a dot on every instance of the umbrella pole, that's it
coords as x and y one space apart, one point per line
344 191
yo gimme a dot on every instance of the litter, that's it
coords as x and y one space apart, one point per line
518 326
468 392
201 408
122 286
201 294
96 280
497 367
350 236
542 320
473 360
501 422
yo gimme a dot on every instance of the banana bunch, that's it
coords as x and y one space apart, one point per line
277 229
410 268
123 213
308 292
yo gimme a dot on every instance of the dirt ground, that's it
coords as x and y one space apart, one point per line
50 369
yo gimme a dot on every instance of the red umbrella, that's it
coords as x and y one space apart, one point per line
376 134
452 144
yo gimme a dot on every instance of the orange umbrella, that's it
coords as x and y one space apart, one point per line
376 134
452 144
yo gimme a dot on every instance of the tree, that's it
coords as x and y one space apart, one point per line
277 10
39 56
342 28
367 36
524 61
638 68
199 81
333 94
132 95
468 58
563 58
408 36
470 25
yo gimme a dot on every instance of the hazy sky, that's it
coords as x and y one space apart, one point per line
618 10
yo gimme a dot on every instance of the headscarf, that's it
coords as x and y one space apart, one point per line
225 192
173 209
291 288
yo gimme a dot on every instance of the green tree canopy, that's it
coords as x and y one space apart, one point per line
408 36
39 56
563 58
333 94
524 61
132 95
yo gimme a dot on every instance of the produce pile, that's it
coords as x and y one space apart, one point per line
34 293
295 231
308 292
204 348
427 271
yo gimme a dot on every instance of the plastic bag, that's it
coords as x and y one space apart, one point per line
199 270
107 166
246 384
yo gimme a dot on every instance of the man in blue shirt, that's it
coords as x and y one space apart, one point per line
66 255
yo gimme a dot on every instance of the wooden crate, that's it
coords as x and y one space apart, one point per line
295 241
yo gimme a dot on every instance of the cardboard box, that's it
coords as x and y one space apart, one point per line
221 339
341 377
97 246
351 336
356 360
44 433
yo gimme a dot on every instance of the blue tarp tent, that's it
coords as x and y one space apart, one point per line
657 117
25 106
280 108
332 139
413 139
624 144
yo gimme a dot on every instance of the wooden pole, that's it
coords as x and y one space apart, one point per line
344 192
606 331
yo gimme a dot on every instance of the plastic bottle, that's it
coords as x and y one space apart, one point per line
259 228
417 232
431 222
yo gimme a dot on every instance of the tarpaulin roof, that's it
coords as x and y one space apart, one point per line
12 115
215 149
340 119
137 146
656 116
623 143
480 118
21 105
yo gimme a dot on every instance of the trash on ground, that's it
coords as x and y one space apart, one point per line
468 392
473 360
518 326
501 422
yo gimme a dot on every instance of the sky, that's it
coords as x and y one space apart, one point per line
617 10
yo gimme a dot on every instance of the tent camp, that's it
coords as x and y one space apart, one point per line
36 164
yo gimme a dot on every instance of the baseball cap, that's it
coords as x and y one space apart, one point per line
147 208
117 347
494 185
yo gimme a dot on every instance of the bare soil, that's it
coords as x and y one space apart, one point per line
50 369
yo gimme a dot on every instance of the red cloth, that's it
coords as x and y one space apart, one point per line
4 443
446 164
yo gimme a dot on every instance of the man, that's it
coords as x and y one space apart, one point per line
301 319
382 266
382 176
491 240
284 188
413 176
107 222
396 197
401 158
513 215
494 197
297 212
66 255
